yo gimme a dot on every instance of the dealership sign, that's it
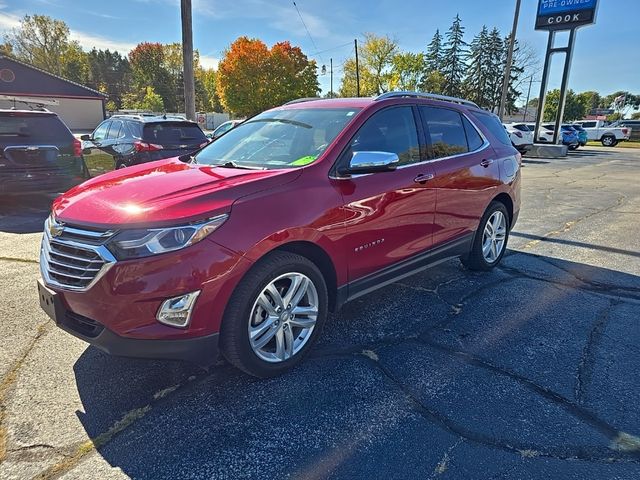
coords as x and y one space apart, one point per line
565 14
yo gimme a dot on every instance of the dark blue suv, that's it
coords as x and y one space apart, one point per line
125 140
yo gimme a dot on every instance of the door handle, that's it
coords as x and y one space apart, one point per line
423 178
486 163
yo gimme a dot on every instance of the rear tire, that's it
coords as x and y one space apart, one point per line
263 309
489 242
609 141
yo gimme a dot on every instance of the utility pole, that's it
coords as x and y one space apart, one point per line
357 70
526 105
187 57
331 75
507 70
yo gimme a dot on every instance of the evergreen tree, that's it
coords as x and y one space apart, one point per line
433 56
478 70
431 80
454 56
495 62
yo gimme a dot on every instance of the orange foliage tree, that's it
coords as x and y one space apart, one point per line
253 78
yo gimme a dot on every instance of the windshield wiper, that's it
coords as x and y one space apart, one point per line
232 164
281 120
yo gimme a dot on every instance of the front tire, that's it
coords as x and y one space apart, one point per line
275 315
490 240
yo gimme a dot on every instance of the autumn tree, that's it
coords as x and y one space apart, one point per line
407 71
44 42
251 77
109 72
376 57
148 69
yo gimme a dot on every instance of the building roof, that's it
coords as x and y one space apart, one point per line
21 79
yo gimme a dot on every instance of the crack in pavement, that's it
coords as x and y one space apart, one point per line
587 360
566 452
8 381
20 260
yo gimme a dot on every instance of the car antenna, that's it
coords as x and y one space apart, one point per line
164 116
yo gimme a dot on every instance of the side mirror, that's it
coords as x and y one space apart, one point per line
371 162
85 138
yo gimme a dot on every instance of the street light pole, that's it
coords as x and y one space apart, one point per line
187 57
507 70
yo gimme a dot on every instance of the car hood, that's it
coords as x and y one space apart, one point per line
166 192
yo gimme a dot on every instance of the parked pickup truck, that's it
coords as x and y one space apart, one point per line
599 130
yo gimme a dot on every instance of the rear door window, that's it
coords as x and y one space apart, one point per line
115 131
445 132
29 129
171 133
492 123
588 124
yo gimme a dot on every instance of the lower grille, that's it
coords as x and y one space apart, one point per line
83 325
73 258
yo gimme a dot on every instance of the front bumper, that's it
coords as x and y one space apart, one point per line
201 350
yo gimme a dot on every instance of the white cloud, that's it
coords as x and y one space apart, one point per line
8 21
209 62
88 41
280 17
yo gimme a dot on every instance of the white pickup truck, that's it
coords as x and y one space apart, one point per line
598 130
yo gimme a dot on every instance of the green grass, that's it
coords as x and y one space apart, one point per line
619 145
99 163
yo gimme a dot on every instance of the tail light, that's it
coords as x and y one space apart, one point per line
77 148
518 134
147 147
625 131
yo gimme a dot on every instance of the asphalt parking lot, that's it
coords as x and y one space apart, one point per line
530 371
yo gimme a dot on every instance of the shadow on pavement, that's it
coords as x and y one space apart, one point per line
24 213
514 370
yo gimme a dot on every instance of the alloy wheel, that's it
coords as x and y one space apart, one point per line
494 237
283 317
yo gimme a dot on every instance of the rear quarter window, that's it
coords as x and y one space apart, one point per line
33 130
172 132
492 123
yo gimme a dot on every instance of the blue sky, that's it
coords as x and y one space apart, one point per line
607 57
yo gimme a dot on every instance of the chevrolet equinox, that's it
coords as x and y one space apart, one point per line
242 248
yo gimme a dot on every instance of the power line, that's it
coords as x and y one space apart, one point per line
308 32
331 49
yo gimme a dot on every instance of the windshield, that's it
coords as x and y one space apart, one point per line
287 138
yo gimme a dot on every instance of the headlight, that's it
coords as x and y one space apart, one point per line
146 242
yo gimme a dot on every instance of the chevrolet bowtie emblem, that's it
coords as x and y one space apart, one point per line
56 229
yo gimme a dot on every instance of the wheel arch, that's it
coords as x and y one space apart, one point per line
321 259
507 201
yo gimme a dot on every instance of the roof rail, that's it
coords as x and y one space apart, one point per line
430 96
301 100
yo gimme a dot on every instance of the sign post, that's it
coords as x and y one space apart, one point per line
554 16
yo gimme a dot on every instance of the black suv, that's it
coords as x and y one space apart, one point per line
125 140
38 153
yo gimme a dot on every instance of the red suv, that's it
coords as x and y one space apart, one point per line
242 248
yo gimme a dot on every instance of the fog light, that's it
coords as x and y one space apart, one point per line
176 311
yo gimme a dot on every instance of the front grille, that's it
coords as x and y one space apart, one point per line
74 258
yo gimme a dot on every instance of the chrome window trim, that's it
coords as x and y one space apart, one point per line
106 256
486 144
